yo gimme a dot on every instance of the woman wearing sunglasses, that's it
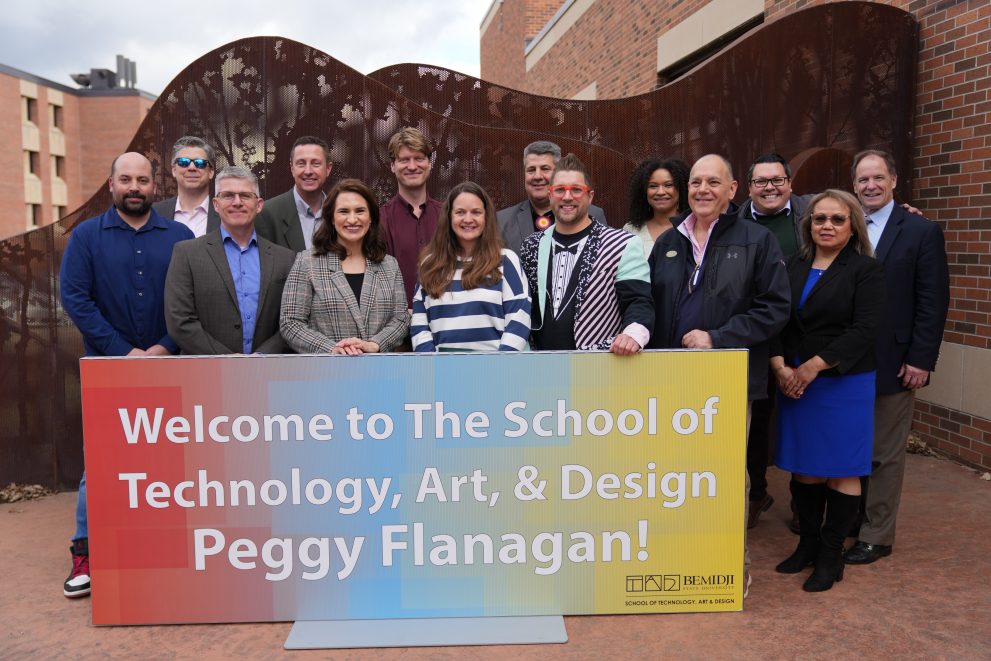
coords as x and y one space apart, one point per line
825 367
345 295
471 294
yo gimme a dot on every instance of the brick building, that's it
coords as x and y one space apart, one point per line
607 49
56 143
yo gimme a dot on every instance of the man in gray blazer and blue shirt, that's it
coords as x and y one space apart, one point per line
533 214
223 291
193 164
290 219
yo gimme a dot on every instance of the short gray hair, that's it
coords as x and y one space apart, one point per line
237 172
199 143
541 147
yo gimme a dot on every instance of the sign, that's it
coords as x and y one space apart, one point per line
271 488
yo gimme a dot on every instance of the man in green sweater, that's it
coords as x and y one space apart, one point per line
773 205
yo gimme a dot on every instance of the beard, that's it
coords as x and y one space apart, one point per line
134 205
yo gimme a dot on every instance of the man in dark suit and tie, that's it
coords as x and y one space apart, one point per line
223 292
533 214
291 219
193 163
912 252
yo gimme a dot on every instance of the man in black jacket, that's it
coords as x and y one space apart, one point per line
719 282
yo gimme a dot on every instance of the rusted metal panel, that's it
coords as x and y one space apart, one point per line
816 86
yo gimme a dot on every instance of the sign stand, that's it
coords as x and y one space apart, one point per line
428 632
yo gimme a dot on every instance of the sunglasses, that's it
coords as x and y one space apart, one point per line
200 163
837 220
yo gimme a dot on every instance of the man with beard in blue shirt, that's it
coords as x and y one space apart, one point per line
113 287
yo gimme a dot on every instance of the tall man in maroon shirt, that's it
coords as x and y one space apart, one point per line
408 220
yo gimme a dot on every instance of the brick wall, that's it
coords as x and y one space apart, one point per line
504 40
106 126
614 44
12 216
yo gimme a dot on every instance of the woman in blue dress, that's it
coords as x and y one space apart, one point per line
825 368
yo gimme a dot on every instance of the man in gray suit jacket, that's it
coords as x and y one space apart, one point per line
193 163
223 291
291 219
533 214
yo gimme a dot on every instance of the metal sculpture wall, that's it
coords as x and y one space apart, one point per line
816 86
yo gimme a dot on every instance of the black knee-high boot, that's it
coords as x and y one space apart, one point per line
810 502
841 510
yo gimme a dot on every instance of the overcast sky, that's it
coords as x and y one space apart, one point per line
54 38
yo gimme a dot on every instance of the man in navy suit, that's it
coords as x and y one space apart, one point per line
912 252
534 214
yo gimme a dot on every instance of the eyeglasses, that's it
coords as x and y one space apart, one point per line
578 191
200 163
774 181
836 219
228 196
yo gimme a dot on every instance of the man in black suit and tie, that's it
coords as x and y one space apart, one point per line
291 219
193 163
533 214
912 252
223 291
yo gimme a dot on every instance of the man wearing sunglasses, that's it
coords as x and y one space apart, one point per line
223 292
534 214
590 282
290 219
193 163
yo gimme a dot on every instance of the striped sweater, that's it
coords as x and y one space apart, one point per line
486 318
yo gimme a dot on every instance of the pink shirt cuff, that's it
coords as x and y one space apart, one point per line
638 333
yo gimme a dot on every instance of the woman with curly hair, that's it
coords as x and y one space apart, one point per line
658 194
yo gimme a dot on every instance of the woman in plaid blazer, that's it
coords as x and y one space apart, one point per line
345 295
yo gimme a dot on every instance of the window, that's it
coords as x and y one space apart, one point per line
34 214
58 212
58 166
33 162
30 109
689 62
55 113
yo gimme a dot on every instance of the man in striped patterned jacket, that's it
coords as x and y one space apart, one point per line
590 283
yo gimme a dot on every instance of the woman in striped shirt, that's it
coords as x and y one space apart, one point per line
471 295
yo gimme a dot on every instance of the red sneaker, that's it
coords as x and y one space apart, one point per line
77 585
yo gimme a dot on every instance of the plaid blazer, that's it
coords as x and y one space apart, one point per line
319 308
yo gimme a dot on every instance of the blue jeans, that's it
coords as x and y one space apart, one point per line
82 523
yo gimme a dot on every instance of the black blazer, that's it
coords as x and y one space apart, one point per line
841 316
166 208
913 255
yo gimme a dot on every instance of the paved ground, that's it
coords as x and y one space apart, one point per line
930 599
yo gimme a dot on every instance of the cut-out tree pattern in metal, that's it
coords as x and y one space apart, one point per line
815 86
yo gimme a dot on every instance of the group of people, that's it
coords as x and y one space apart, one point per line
316 272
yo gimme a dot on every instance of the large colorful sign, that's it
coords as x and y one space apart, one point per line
271 488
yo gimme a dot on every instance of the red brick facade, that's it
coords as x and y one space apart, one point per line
614 44
95 127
